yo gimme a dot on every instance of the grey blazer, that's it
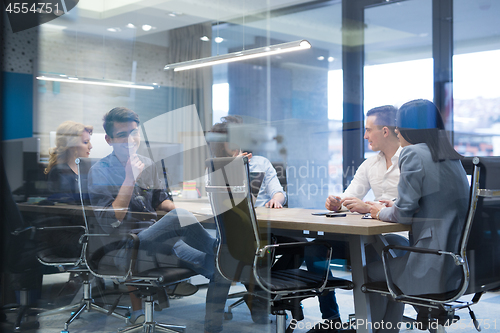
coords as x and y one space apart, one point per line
433 199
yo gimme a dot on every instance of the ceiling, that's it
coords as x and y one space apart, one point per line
397 30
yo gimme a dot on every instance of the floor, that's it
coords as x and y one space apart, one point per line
190 311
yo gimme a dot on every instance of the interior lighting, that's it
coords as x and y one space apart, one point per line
97 82
240 55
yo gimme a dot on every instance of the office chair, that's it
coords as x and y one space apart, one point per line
77 267
18 257
244 254
477 256
102 249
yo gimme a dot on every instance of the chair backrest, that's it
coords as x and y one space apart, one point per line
482 241
100 251
232 205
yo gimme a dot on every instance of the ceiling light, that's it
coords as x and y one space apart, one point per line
205 38
114 29
321 58
131 26
53 26
97 82
241 55
146 27
218 39
331 59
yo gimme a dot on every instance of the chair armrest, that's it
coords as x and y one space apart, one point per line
265 249
459 261
411 249
101 252
18 232
262 251
61 227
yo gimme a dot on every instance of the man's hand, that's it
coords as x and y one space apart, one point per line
387 203
356 205
273 203
333 203
239 153
277 201
133 168
375 208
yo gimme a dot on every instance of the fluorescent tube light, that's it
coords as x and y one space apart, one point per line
241 55
97 82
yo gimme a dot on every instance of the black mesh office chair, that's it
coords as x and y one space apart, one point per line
102 249
478 255
245 254
18 258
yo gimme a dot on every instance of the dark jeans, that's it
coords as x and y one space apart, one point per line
180 234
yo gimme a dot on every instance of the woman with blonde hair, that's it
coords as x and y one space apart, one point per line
72 141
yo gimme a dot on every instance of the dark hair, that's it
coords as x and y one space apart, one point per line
119 114
222 126
218 147
385 116
419 121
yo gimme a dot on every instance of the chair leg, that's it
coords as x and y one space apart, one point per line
86 304
280 321
149 324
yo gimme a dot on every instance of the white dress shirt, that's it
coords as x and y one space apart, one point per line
374 174
270 185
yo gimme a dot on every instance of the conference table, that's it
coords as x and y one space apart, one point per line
300 222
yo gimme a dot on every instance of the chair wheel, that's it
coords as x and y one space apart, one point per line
228 315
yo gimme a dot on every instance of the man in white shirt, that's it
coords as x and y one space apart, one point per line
379 173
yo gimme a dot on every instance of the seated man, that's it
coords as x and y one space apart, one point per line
381 174
125 182
272 195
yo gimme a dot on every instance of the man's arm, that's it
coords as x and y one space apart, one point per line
356 205
133 169
273 187
354 193
276 201
166 205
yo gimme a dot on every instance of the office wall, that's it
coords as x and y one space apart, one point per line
19 60
293 98
108 57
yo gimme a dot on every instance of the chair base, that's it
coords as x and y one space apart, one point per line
149 325
87 304
23 311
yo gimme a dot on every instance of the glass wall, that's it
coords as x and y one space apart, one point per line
476 97
299 94
304 110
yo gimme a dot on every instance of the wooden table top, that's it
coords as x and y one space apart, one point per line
302 219
285 218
